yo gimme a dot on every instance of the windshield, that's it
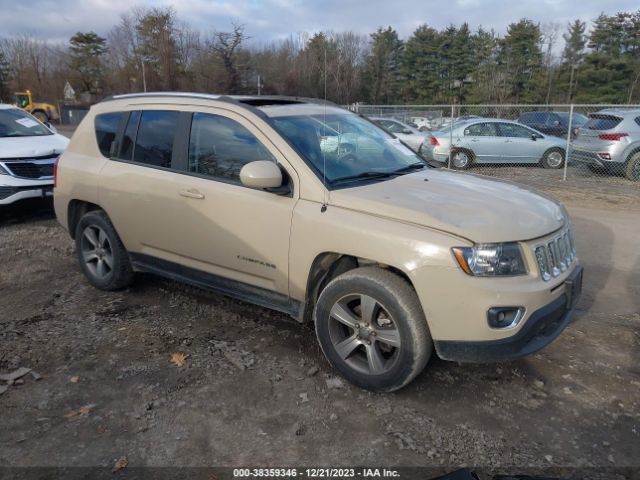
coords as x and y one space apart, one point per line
16 123
346 147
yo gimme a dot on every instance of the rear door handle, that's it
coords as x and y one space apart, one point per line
191 193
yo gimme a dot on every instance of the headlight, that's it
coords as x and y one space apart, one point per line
491 259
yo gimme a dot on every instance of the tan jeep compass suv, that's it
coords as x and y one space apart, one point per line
312 210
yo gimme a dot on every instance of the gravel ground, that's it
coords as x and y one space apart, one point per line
255 389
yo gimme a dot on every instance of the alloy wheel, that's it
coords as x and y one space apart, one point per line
96 252
460 159
554 159
363 334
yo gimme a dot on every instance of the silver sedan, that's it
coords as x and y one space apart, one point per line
490 140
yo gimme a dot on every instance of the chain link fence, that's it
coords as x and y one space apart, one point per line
525 143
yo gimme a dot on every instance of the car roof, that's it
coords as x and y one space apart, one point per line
619 111
252 100
267 105
6 106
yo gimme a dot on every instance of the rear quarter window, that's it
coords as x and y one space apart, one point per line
598 121
154 141
106 125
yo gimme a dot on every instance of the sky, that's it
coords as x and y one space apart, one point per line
267 20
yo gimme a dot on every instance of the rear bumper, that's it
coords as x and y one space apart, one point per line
589 157
543 327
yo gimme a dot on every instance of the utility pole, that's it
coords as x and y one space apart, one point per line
259 85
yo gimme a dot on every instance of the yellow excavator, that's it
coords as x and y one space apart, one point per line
45 112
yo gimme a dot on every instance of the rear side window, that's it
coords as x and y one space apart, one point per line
219 147
481 130
599 121
154 142
106 125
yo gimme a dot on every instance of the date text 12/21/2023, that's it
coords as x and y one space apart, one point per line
315 473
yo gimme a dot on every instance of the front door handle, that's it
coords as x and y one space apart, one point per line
191 193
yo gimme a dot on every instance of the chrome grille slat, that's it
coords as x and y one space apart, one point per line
555 255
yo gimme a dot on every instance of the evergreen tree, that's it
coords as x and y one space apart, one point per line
420 66
520 57
156 48
485 78
381 70
86 51
611 69
572 56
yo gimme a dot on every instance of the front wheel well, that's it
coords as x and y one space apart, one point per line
75 211
328 266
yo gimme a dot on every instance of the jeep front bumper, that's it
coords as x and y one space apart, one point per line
541 328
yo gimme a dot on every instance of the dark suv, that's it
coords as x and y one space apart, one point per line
553 123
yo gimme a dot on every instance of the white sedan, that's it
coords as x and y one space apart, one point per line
28 152
409 135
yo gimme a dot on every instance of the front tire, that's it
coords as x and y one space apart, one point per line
553 158
372 329
102 256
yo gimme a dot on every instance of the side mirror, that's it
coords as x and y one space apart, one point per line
534 137
263 175
406 131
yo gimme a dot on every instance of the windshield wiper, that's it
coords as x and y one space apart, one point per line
365 175
373 174
408 168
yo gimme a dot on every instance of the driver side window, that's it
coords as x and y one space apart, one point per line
219 147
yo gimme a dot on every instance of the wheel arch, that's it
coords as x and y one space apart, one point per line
75 211
327 266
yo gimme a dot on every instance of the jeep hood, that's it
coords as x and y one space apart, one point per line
480 209
35 146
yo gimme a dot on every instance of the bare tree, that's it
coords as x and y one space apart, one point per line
225 46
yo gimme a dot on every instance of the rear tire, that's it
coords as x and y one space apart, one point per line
553 158
632 170
461 159
102 256
372 329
